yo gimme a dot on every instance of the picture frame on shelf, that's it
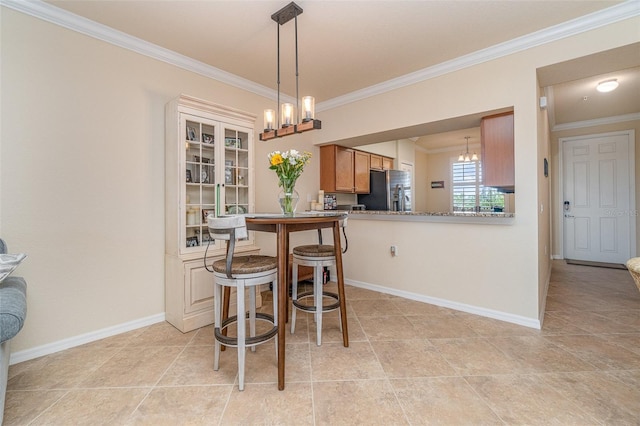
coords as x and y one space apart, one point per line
192 241
228 172
207 138
189 178
203 160
233 143
191 133
205 213
204 176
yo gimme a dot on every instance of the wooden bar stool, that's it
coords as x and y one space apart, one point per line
316 256
241 272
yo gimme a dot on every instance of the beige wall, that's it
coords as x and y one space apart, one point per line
544 208
82 175
81 178
494 267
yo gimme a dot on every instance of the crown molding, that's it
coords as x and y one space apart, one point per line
49 13
596 122
619 12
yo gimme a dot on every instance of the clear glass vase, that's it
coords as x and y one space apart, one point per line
288 201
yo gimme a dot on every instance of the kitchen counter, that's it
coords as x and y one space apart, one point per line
450 217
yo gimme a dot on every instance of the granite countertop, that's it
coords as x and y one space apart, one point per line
451 214
451 217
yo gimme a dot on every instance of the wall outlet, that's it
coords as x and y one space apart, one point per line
394 251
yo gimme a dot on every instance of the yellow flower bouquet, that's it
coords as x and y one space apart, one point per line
288 166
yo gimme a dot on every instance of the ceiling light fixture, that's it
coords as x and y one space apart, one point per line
280 122
607 85
465 156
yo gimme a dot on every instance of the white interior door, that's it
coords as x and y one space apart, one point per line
597 197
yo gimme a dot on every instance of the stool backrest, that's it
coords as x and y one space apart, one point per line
227 227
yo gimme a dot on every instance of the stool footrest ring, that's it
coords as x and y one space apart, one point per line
249 341
308 308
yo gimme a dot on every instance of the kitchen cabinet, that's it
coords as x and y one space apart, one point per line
497 139
344 170
387 163
361 172
378 162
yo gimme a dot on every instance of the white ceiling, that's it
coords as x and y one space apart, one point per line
347 46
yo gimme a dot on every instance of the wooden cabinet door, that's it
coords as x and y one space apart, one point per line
387 163
344 169
361 172
376 162
497 151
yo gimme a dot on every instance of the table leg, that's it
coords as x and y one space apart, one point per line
341 293
283 297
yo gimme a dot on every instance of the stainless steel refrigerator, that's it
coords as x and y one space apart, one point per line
388 190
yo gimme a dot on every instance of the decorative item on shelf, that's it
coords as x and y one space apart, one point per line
229 172
191 216
306 120
330 202
191 133
233 143
466 157
288 166
207 212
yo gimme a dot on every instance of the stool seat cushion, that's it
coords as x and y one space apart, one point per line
246 264
315 250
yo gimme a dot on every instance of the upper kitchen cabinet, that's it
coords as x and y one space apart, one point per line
344 170
378 162
497 151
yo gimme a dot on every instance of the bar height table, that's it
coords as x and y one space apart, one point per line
282 226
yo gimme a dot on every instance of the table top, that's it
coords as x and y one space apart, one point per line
300 215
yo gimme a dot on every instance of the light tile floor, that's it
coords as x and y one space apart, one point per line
407 363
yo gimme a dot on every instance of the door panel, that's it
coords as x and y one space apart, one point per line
597 217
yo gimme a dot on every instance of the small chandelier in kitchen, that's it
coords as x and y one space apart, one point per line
465 156
281 123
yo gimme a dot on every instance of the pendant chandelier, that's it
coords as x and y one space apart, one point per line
465 156
286 121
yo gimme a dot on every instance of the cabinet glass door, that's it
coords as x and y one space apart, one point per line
200 195
236 170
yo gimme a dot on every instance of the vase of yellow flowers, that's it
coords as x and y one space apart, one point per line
288 166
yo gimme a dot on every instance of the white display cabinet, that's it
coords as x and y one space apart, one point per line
208 170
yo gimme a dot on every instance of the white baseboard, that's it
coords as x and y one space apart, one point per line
489 313
72 342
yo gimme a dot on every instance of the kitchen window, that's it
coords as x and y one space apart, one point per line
467 192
